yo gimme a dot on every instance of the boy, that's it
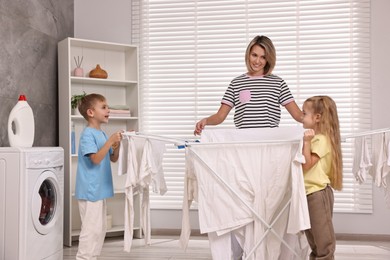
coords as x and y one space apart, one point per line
94 180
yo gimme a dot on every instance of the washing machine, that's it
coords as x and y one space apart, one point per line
31 203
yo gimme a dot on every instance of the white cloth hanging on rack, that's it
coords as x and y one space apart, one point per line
362 159
141 160
380 170
264 175
387 176
380 167
151 173
128 164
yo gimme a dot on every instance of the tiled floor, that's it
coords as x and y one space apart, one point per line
168 248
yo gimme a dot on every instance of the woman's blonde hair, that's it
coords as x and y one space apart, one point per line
329 126
270 53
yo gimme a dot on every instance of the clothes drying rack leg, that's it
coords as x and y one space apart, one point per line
268 226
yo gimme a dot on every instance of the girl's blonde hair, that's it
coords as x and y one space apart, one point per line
329 126
269 50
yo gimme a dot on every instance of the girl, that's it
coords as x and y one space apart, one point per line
322 172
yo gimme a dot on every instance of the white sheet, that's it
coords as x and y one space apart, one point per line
264 175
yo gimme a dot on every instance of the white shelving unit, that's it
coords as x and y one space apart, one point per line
120 88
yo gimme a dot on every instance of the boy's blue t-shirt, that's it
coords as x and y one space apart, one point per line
93 181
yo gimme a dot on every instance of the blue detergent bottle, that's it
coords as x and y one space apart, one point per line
73 139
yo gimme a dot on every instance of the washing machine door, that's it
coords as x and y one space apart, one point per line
46 201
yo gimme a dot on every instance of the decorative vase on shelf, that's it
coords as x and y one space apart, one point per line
78 71
98 73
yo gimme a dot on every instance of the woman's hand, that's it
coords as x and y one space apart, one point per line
200 126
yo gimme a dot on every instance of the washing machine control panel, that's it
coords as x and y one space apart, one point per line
39 160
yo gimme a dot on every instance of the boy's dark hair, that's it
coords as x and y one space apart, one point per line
88 102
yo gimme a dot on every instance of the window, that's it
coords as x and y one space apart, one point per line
190 50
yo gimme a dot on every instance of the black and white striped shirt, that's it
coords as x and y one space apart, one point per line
257 100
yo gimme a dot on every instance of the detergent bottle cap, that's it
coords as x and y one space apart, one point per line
22 98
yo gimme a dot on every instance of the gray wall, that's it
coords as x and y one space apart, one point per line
29 33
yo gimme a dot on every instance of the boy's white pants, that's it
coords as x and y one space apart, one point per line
93 229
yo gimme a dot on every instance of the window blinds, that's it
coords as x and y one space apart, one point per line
190 50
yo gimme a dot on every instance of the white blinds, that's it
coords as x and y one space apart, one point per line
190 50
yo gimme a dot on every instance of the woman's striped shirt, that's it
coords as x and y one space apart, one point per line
257 100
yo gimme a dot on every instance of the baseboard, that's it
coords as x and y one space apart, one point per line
353 237
174 232
363 237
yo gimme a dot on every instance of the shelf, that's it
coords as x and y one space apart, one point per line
99 45
119 228
77 117
96 81
120 88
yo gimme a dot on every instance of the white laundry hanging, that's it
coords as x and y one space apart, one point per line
128 164
247 178
362 159
380 154
140 157
380 170
379 151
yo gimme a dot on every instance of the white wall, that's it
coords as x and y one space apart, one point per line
103 20
379 221
116 27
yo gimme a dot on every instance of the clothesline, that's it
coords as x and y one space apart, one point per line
371 132
180 143
245 142
177 142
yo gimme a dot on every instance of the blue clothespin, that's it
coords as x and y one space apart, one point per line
185 144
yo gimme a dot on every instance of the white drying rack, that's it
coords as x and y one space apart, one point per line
269 226
177 142
371 132
180 143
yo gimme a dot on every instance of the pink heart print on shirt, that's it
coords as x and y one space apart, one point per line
245 96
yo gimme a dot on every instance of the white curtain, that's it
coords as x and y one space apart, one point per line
190 50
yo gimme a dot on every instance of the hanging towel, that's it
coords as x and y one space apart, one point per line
387 177
151 174
361 160
141 160
131 183
380 167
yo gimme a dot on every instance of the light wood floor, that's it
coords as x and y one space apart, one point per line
167 247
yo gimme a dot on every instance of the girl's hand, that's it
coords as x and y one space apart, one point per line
308 135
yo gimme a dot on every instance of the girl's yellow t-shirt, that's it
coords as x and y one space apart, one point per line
317 177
